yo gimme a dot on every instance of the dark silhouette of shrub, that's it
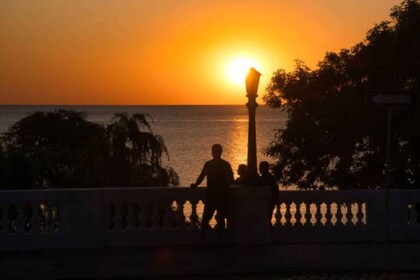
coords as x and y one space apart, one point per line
61 149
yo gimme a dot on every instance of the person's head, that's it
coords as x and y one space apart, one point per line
264 167
242 169
216 150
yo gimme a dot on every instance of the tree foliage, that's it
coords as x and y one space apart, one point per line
330 138
61 149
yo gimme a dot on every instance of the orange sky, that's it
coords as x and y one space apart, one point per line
167 51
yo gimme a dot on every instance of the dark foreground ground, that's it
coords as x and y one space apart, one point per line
292 261
302 276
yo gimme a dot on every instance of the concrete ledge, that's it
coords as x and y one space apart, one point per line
181 260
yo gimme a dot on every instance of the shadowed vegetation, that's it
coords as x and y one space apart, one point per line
61 149
331 139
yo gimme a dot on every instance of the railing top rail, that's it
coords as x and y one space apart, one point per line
99 194
185 193
185 188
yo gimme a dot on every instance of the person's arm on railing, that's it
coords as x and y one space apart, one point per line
231 180
200 177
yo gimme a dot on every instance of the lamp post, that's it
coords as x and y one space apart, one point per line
251 226
252 80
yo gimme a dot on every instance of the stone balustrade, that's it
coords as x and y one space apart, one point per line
97 218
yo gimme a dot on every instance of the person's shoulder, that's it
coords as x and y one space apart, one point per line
211 162
207 164
268 178
226 164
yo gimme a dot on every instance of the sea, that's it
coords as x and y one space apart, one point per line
188 131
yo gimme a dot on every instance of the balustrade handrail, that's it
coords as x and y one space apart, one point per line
96 217
25 193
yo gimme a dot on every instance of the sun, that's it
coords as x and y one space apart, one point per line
237 69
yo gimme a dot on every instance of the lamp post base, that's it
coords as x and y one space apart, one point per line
248 214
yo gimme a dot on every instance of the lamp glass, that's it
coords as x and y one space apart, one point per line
252 80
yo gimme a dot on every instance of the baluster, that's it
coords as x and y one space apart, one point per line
366 212
193 216
409 214
413 214
339 214
293 210
26 220
143 216
53 215
1 219
155 217
277 223
117 219
48 218
35 219
42 220
349 214
288 215
359 214
131 218
20 220
416 208
167 221
318 214
11 218
136 215
298 214
4 221
180 216
271 214
61 223
56 217
308 214
328 214
44 214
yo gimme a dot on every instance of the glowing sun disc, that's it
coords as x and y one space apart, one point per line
237 69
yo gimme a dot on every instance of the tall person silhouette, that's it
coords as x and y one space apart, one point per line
219 178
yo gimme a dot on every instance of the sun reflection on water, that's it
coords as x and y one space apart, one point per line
237 144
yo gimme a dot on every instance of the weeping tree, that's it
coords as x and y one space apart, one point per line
135 153
61 149
330 139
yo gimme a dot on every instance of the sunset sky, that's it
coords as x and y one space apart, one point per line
165 51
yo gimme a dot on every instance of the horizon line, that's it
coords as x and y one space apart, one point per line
126 104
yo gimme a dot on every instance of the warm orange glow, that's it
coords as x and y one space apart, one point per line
166 52
237 69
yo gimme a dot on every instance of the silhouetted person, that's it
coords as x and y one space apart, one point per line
219 178
242 180
268 179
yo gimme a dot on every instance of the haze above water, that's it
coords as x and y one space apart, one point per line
188 131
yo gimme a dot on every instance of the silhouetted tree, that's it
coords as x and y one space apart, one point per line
135 153
330 139
61 149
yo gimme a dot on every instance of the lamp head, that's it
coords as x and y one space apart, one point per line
252 80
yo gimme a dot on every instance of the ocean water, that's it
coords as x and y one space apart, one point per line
188 131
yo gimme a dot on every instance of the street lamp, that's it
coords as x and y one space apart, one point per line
252 80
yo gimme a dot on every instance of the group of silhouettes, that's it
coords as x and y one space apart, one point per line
219 179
